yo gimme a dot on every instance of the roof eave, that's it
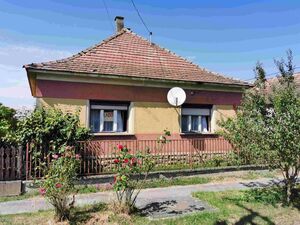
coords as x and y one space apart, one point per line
115 76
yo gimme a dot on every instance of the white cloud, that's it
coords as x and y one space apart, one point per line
14 87
18 55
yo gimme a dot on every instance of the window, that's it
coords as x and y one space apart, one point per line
195 119
108 117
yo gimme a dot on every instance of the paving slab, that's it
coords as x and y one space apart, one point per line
172 207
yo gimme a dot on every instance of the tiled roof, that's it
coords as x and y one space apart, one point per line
274 81
127 54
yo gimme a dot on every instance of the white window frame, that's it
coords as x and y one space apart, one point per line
200 112
115 109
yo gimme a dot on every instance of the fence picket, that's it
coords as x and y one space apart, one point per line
97 156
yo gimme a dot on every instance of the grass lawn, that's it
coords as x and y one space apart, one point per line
231 207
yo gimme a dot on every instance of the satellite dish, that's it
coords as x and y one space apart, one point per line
176 96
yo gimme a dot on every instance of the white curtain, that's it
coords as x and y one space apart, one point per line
204 124
119 121
95 120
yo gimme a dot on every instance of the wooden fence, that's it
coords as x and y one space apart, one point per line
10 163
97 156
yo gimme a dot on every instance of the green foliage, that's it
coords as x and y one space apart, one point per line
51 127
58 182
8 125
267 126
230 159
245 131
268 195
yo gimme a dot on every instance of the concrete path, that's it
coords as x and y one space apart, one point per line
171 200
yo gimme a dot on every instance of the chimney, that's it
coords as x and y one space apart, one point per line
119 23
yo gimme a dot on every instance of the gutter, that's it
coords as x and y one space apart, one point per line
143 80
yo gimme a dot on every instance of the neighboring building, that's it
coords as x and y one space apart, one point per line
273 81
120 87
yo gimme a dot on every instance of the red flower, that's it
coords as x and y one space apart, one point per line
133 161
42 191
58 185
77 156
116 161
115 179
126 160
55 156
120 147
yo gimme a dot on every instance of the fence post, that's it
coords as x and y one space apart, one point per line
1 163
27 161
19 162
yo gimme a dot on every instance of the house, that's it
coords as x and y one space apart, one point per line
120 87
274 81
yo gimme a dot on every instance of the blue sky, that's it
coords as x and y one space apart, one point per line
223 36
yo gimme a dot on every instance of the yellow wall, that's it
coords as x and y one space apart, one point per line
144 117
220 112
152 118
67 105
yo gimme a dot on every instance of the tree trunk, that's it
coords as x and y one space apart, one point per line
289 185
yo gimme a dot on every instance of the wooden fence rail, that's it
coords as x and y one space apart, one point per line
97 156
10 163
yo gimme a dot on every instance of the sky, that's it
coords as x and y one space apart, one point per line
227 37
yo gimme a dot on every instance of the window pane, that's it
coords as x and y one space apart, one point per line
95 120
204 123
108 126
195 123
184 124
108 120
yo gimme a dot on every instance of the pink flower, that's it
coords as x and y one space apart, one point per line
55 156
120 147
58 185
126 160
108 186
98 186
42 191
77 156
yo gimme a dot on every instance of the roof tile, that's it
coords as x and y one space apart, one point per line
127 54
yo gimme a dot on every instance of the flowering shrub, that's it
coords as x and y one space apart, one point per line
131 172
58 183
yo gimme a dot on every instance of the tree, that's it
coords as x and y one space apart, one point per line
242 130
283 126
267 125
8 125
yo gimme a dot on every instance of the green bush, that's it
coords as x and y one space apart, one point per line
131 173
8 126
51 127
268 195
58 183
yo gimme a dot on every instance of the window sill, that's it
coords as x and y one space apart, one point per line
194 133
112 134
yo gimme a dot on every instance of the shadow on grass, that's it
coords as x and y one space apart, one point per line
83 214
249 218
273 195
